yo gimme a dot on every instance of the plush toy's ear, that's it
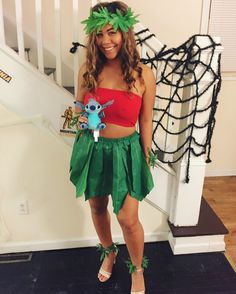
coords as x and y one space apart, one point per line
92 100
81 105
107 104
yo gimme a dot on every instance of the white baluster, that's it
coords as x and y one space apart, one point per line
171 140
160 66
143 55
58 41
76 39
19 27
38 12
157 103
2 31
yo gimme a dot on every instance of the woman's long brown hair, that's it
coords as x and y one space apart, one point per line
128 54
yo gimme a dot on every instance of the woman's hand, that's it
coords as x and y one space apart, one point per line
148 161
82 119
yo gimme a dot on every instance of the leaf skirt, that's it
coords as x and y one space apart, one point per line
113 167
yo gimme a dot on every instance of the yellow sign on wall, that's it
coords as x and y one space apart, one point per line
69 123
5 76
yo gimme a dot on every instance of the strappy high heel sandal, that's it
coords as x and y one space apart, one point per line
134 269
104 253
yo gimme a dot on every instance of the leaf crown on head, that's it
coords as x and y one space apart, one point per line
98 19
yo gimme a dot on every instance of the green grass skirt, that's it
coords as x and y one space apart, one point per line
113 167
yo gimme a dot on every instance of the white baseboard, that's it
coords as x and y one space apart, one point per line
221 173
29 246
180 245
198 244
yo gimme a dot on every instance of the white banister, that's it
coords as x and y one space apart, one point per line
58 41
153 43
19 27
76 39
144 51
38 13
2 31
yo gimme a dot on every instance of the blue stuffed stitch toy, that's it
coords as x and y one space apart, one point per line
93 110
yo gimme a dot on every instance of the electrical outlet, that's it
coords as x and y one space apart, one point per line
22 207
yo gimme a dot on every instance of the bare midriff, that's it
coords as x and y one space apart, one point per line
116 131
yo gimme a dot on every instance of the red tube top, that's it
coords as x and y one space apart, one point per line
125 109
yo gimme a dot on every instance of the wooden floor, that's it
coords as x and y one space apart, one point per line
220 193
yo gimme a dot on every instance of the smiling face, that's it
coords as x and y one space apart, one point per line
109 42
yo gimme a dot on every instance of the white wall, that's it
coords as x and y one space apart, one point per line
173 22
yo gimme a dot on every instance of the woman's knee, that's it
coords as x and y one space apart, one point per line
98 205
128 222
128 215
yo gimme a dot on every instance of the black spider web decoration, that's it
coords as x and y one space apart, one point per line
183 62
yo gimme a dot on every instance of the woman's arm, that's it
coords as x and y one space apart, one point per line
145 117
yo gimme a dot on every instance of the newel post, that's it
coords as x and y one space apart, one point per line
185 205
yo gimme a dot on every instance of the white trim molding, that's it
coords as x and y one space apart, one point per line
221 173
196 244
57 244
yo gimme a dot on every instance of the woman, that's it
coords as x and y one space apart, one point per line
118 163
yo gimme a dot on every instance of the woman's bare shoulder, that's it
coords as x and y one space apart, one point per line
148 76
146 70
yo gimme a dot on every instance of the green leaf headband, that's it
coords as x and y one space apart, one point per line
98 19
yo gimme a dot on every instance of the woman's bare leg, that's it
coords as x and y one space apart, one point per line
134 238
102 224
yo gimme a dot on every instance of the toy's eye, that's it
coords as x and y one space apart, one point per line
86 107
99 106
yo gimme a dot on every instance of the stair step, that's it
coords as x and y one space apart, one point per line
49 70
70 89
27 50
17 50
209 224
